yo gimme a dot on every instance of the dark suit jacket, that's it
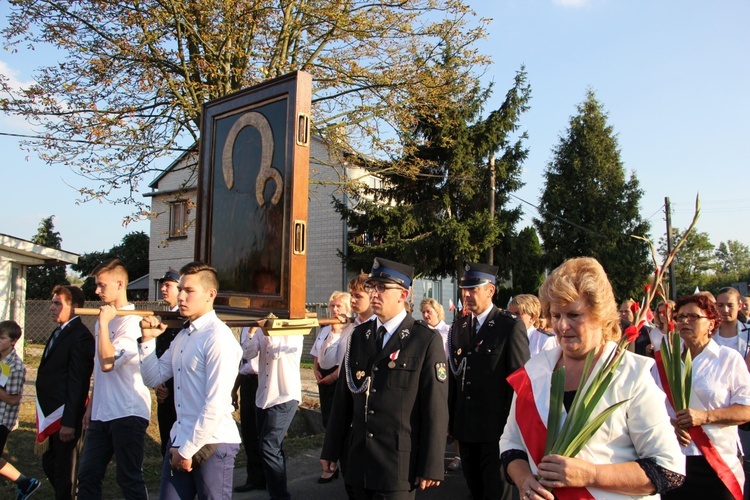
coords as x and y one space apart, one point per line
482 398
64 373
398 434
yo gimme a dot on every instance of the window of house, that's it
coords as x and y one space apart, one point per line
178 218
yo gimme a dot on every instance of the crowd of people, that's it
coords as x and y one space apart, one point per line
395 391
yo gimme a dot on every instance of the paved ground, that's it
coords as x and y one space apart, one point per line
304 469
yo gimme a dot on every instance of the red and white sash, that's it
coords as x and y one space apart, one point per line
46 425
702 441
533 431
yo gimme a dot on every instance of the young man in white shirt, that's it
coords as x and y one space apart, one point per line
203 360
120 407
279 393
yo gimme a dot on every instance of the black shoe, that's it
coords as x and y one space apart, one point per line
244 488
326 480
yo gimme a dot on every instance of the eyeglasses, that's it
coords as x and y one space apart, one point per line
378 287
690 317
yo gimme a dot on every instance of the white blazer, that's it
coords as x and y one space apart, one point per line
639 428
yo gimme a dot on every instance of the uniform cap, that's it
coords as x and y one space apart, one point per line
477 275
171 275
392 272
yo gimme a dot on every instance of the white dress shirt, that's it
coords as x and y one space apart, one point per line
278 368
249 366
203 360
120 392
327 340
737 342
391 325
720 379
335 354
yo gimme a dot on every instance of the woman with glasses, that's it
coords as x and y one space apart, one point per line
719 401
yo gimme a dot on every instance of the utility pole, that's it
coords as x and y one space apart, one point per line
672 277
490 250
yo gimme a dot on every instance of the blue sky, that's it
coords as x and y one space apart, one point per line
672 74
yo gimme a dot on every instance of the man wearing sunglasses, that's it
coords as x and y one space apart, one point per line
392 403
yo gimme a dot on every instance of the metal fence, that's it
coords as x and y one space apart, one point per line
39 324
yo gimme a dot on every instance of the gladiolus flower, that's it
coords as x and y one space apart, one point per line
634 307
671 326
631 333
646 288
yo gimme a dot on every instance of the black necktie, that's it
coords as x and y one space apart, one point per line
54 337
474 326
381 335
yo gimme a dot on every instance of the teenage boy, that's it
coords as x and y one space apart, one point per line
12 377
203 361
120 407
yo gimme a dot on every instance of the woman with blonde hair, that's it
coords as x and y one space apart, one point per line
339 306
528 308
632 454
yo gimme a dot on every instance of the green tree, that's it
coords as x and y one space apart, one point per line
589 207
437 215
527 262
132 251
732 258
695 263
40 280
135 75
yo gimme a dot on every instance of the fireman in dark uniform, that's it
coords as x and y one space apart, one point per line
391 408
485 347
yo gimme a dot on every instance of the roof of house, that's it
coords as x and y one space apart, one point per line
30 254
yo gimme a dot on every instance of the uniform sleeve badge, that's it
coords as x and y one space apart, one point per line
441 371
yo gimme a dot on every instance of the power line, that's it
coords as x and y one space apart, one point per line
91 143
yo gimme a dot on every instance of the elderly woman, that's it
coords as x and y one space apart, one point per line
632 455
720 400
325 367
433 314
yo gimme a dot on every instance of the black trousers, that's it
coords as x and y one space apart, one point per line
60 462
326 392
480 463
249 430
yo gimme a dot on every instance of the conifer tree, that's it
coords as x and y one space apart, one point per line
40 280
432 209
589 207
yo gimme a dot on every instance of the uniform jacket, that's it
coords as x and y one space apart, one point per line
481 401
397 433
64 373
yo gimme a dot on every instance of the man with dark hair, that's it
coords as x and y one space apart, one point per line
732 332
165 409
391 404
120 407
203 361
62 387
485 347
